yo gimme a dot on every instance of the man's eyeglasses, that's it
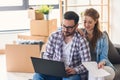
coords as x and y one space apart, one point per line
68 27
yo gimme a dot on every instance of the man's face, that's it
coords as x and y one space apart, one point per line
68 27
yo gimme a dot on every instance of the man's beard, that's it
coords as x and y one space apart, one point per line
67 34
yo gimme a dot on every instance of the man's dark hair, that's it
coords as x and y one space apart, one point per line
71 15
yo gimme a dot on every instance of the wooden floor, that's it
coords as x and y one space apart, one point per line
4 75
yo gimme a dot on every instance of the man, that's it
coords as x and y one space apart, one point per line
68 46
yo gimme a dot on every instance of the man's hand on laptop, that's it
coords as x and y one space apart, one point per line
70 71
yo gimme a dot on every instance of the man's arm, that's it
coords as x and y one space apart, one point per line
48 54
84 52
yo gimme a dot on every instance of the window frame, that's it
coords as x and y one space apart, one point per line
24 6
66 7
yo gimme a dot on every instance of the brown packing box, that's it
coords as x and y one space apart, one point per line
43 27
52 25
2 51
18 57
35 16
27 36
39 27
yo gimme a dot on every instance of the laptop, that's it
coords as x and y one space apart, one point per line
49 67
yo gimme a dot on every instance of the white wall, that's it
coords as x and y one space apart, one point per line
115 21
7 39
12 20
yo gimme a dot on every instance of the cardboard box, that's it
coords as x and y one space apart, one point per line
18 57
35 16
28 36
43 27
2 51
39 27
52 25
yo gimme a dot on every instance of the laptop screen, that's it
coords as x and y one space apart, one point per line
49 67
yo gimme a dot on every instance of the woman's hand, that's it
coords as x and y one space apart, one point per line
101 65
80 32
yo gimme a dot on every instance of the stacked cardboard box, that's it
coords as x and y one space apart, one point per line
18 57
32 14
28 36
43 27
39 29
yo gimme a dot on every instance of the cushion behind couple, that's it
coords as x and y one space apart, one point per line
114 57
113 54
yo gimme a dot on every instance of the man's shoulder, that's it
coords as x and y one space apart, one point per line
55 34
79 35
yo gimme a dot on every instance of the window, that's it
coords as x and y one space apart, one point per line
102 6
6 5
14 13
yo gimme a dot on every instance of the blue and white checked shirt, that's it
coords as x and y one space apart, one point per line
79 50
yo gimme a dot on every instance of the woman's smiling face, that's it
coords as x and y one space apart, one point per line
89 23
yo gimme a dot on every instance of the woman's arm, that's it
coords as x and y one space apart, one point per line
104 51
80 31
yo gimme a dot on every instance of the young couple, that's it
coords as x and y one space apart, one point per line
74 46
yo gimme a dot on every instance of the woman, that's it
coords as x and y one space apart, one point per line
98 41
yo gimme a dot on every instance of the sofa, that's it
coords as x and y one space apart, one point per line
114 57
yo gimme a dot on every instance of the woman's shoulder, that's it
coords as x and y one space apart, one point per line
103 38
104 34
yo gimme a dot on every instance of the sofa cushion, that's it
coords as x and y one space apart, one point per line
117 46
113 54
117 73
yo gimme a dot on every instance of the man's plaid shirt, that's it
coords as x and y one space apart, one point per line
79 50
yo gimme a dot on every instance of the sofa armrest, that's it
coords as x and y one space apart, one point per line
117 46
113 54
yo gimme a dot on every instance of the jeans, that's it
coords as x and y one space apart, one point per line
38 76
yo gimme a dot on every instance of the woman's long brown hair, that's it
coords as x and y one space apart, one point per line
96 32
